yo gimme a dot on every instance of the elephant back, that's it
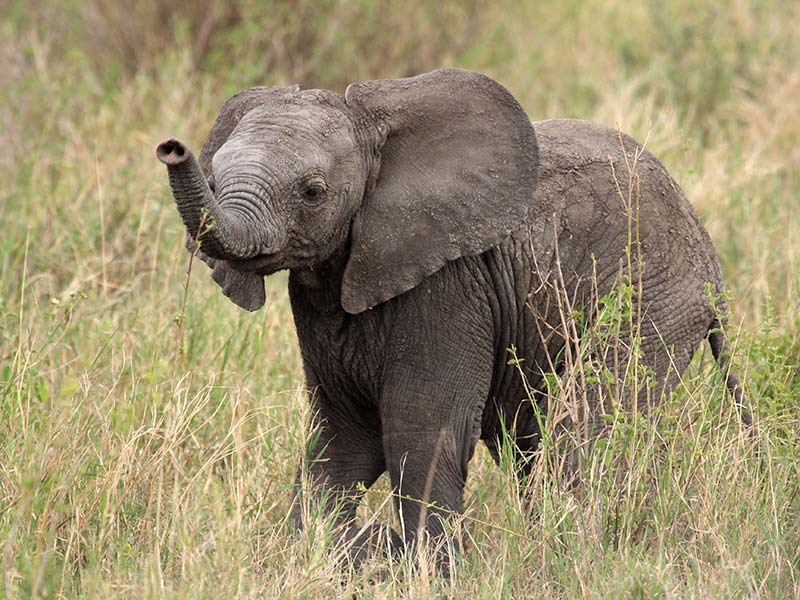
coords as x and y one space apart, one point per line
606 192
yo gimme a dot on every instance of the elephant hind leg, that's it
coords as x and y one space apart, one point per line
615 382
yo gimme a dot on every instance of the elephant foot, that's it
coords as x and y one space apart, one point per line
375 541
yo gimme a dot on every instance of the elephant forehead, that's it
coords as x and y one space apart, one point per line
299 151
285 153
305 128
308 111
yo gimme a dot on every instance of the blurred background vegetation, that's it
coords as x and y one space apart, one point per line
147 447
695 78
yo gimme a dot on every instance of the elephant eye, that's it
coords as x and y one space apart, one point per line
313 192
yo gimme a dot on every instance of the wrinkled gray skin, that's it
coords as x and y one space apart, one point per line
425 225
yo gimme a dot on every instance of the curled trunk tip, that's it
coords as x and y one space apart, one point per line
172 152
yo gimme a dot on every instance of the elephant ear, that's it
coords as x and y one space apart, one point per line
244 289
458 165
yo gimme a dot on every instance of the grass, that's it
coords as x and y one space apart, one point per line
148 446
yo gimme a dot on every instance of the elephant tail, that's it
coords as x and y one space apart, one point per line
719 348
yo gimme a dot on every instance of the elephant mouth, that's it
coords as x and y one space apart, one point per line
265 264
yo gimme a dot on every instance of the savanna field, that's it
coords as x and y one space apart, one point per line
149 429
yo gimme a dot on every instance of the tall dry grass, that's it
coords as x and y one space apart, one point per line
147 447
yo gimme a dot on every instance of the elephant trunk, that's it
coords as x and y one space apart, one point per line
221 236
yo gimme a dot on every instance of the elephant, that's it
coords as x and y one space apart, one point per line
428 227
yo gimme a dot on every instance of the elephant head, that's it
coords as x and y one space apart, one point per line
403 175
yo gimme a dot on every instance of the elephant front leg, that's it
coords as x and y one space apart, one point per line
344 456
435 389
429 437
428 470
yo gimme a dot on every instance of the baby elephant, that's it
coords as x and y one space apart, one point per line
429 227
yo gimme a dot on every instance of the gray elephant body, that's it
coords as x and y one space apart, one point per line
434 361
407 360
